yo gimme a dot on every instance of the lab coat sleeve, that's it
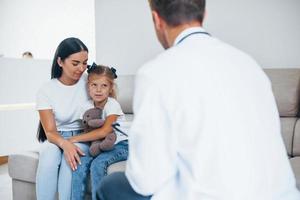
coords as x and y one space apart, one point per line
152 156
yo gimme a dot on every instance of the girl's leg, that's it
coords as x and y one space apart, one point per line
47 172
102 161
65 175
79 178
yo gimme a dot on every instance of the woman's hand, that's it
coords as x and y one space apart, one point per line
71 153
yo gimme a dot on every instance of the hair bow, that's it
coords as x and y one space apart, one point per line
91 67
114 71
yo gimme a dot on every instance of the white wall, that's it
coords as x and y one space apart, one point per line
20 80
125 36
39 25
269 30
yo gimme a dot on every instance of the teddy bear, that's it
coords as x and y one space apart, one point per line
92 119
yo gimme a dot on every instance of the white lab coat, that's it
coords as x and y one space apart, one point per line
206 127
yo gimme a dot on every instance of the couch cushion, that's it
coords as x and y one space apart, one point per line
117 167
295 162
287 131
285 84
23 166
125 88
296 141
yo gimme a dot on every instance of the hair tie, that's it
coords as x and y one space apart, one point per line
114 71
91 67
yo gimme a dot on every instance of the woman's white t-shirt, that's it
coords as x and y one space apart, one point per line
111 107
64 101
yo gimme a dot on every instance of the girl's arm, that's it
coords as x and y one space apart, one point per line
71 151
98 133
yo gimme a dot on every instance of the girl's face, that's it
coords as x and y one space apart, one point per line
73 67
99 88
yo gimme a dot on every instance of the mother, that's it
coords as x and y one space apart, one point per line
57 102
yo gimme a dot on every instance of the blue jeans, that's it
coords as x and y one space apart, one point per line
107 189
53 172
97 168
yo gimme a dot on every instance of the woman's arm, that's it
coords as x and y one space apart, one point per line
98 133
49 125
71 151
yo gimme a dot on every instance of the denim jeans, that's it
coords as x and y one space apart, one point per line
53 173
97 168
107 189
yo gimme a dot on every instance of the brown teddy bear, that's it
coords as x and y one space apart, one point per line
92 119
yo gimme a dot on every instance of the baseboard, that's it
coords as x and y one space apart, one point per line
3 160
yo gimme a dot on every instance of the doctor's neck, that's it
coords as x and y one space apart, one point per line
173 32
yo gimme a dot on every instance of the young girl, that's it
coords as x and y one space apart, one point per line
102 92
57 102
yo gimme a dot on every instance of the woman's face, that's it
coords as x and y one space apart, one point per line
73 67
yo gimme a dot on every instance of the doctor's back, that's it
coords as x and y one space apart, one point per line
219 132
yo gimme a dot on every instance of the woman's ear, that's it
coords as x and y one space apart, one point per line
59 61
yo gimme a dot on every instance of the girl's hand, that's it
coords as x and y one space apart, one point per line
72 139
71 153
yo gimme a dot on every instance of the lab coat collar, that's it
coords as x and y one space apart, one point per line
187 32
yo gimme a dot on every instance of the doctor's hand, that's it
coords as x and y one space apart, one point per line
71 153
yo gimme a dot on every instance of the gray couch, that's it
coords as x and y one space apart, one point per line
286 87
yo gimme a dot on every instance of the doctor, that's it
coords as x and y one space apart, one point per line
206 125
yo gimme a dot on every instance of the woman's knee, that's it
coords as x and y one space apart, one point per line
50 154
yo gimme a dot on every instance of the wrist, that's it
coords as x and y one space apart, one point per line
72 139
61 143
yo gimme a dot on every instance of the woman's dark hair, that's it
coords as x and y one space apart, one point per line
177 12
64 50
67 47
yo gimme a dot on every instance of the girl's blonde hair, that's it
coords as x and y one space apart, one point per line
109 73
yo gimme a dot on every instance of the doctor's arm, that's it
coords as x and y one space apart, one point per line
152 152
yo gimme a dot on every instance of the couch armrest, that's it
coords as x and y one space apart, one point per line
23 166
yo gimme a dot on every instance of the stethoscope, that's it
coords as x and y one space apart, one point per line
193 33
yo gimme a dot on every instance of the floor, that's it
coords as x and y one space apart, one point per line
5 183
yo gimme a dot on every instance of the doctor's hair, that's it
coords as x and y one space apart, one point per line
177 12
109 73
